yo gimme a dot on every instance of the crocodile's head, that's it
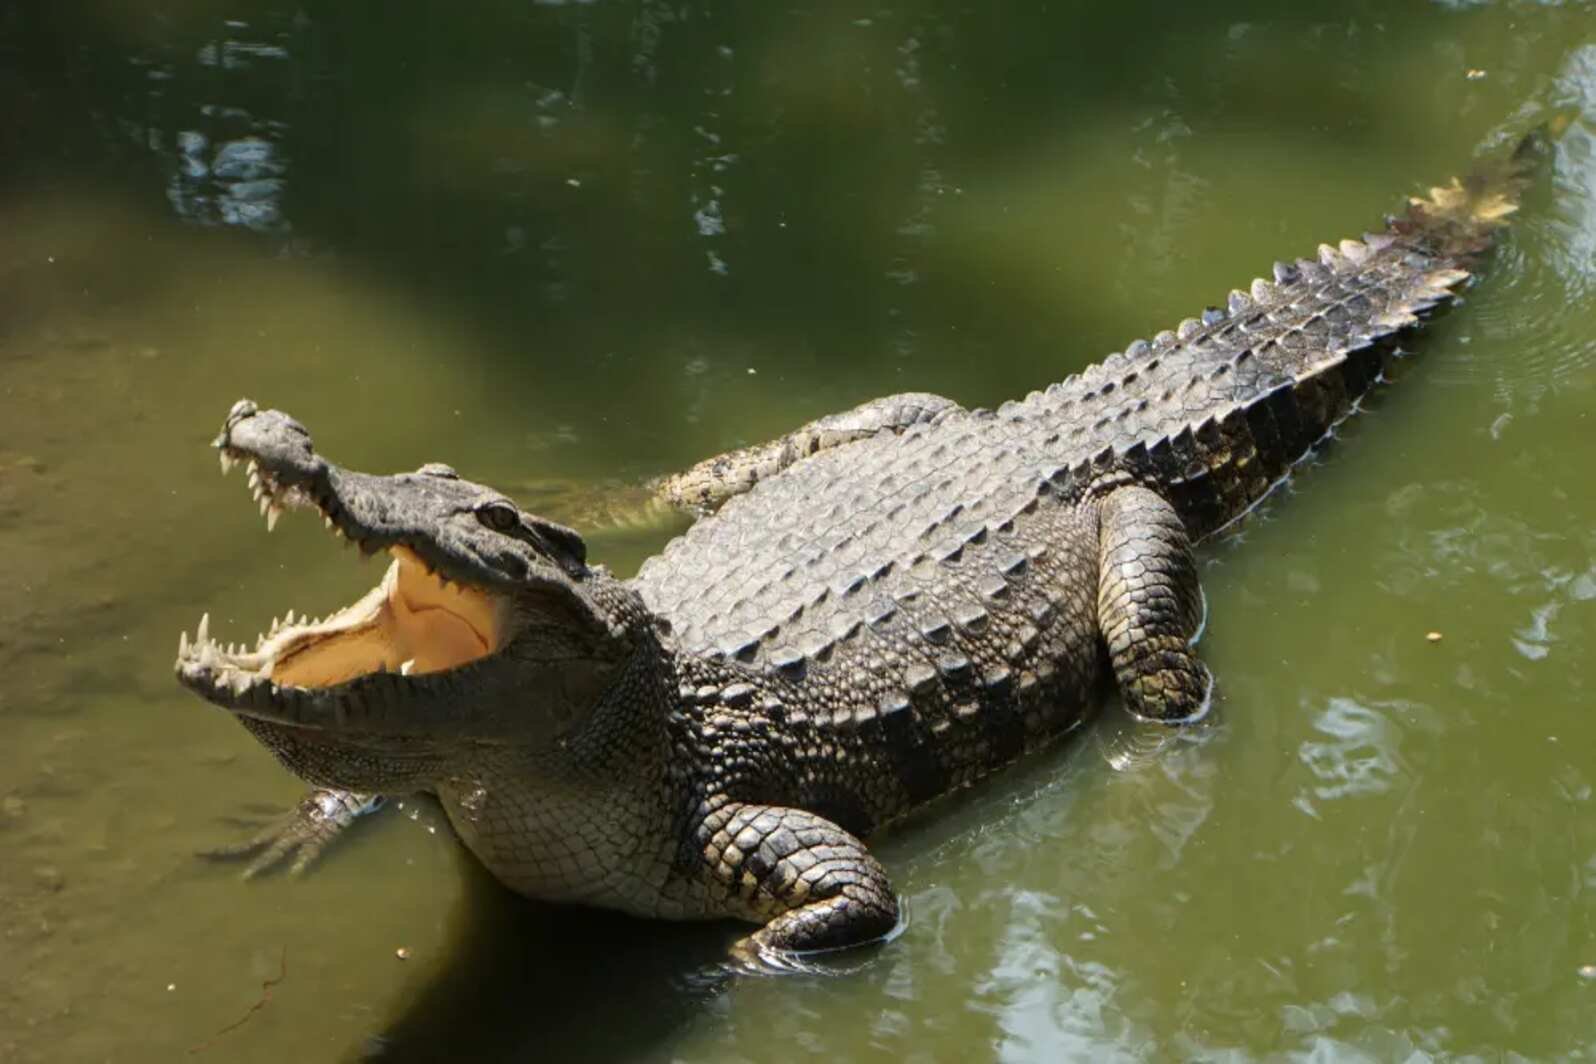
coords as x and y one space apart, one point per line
487 627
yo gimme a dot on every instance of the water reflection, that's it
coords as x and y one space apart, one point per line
1048 1003
1361 754
225 162
239 182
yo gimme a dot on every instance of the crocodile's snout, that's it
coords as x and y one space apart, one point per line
273 440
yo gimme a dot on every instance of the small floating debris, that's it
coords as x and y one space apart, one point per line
403 953
1587 971
1434 637
1475 74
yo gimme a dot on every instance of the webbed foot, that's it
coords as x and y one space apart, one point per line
301 835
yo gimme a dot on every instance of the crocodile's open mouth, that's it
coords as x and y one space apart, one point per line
413 625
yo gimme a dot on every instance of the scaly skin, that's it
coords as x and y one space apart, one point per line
887 606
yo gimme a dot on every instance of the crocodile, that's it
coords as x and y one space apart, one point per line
872 612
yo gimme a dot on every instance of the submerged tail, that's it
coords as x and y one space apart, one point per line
1457 221
1218 410
1334 324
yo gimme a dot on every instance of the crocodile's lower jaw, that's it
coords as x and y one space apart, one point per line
412 624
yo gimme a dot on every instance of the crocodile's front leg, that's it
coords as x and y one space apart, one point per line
301 835
704 487
1149 606
811 884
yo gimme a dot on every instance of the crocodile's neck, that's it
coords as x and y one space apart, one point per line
582 817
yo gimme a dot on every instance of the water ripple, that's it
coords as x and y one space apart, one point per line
1358 757
1530 327
1048 1004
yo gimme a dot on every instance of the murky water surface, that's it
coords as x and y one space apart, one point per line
581 244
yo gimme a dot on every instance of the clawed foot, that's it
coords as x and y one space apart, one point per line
748 956
756 954
301 835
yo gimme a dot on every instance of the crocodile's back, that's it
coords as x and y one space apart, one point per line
847 535
915 609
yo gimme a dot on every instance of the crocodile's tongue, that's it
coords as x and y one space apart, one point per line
411 623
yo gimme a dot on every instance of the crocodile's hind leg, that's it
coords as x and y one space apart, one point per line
302 834
704 487
811 884
1149 606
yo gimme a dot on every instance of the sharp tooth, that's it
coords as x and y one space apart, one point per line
254 479
202 634
326 520
273 512
265 504
254 467
182 645
207 655
227 462
404 669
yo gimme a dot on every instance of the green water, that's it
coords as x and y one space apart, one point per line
589 243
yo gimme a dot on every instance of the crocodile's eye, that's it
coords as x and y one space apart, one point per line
499 516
